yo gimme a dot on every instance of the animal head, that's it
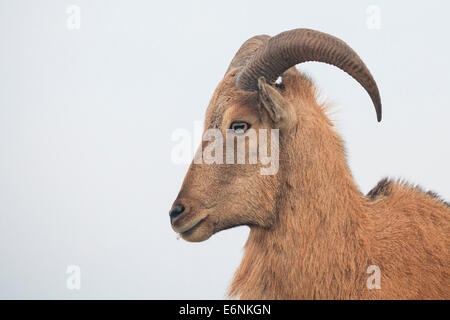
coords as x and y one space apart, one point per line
269 119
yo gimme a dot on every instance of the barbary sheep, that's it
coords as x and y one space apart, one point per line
313 234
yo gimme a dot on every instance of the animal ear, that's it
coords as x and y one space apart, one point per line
279 109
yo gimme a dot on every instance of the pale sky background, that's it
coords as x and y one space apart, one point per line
86 118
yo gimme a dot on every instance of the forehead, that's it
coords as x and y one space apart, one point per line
227 96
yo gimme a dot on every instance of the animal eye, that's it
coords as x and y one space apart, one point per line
239 127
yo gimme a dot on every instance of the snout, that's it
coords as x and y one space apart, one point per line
180 214
188 218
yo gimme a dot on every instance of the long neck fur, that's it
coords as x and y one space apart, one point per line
315 249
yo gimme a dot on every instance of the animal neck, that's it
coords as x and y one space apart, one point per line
315 246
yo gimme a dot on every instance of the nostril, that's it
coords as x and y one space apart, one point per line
176 211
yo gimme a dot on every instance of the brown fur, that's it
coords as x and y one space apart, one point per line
313 233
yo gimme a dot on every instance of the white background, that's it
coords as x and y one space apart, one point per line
86 118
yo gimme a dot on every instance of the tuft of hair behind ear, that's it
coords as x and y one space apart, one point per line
279 109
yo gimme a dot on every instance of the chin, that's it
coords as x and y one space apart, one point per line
193 236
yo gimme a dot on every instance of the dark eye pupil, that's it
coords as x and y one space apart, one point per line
239 127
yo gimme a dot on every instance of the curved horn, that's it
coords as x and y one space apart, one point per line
301 45
247 51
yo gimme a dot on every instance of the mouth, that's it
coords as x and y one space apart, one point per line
191 226
187 232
